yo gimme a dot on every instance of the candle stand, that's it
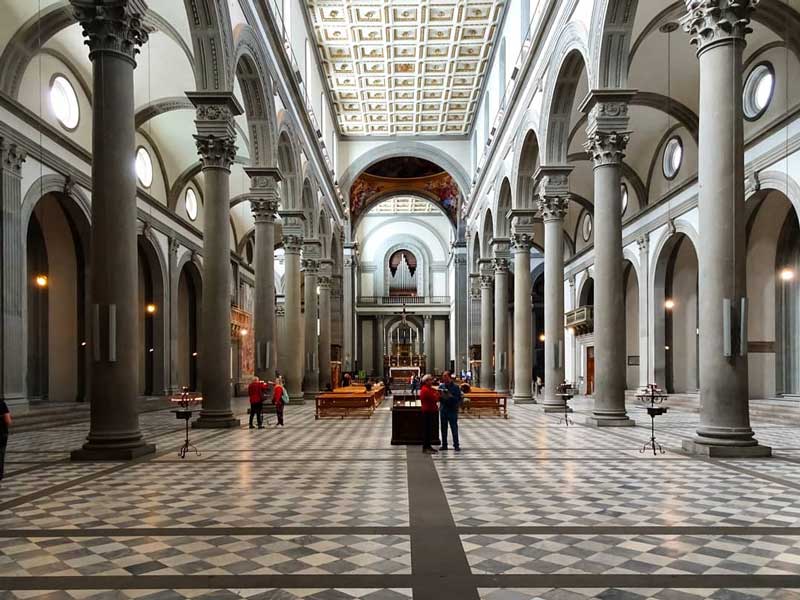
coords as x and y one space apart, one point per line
185 401
566 391
652 398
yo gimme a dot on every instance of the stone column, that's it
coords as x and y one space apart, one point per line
215 144
324 284
349 275
12 296
553 204
521 242
718 28
501 266
113 31
487 326
264 201
292 246
427 335
311 256
607 112
380 345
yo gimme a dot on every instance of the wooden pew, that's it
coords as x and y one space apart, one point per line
480 401
350 401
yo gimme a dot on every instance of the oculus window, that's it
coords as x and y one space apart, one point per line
759 88
64 102
673 157
586 227
144 167
190 203
624 192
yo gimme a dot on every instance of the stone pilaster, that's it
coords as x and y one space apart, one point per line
264 203
427 334
487 325
553 203
349 282
294 338
501 267
324 283
719 28
174 384
607 137
645 300
461 301
311 264
113 30
13 268
521 243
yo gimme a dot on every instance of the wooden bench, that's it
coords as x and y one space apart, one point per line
350 401
479 403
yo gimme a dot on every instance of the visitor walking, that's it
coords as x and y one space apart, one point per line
5 423
414 385
279 399
256 393
429 398
450 404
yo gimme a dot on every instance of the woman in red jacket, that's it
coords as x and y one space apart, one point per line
430 400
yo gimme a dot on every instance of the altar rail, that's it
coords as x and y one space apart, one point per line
400 300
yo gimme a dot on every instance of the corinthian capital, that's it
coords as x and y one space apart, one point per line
606 148
324 282
501 265
553 208
114 26
216 133
310 266
264 210
292 244
521 242
487 281
710 21
11 157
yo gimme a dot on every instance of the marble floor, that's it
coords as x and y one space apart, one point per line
329 510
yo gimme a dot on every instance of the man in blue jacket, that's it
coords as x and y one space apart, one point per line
451 399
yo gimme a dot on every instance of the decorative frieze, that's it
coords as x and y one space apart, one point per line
114 26
710 21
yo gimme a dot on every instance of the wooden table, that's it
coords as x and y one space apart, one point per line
351 401
481 401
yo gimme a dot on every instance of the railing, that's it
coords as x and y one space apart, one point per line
277 16
581 320
400 300
516 72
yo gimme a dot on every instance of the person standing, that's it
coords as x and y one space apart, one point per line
414 385
279 400
429 398
255 391
5 423
451 399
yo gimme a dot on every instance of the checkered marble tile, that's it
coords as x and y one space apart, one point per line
43 477
364 493
206 555
633 555
636 594
612 493
251 594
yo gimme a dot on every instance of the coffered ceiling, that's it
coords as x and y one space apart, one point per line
405 67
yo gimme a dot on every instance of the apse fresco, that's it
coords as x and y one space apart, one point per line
440 188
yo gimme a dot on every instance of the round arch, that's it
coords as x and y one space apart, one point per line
526 161
152 326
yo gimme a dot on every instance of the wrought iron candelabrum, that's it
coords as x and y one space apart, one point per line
566 391
185 401
652 398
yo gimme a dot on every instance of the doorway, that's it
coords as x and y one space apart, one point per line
590 370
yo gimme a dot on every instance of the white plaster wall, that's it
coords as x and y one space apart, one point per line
684 320
632 329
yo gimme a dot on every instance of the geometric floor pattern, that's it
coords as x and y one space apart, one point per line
329 510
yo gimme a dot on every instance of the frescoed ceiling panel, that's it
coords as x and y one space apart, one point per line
405 67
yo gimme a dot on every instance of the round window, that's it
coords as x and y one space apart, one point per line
190 203
758 89
586 227
673 157
64 102
144 167
624 192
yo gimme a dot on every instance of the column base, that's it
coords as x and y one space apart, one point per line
524 400
92 453
716 451
216 421
555 408
621 421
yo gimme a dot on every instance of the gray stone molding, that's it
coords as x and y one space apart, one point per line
216 130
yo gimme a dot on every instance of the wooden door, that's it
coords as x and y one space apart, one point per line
590 370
